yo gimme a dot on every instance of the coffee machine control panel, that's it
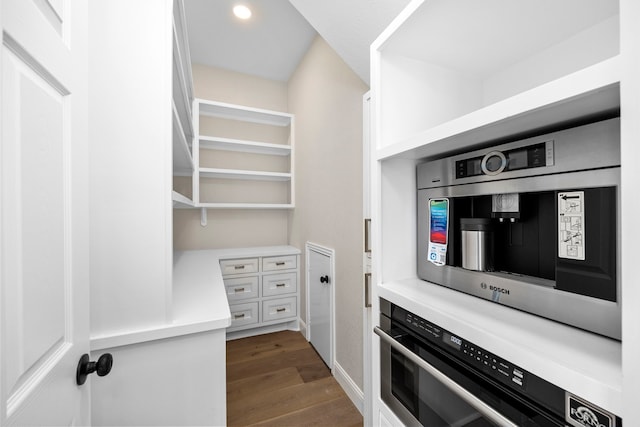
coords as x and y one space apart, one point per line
496 162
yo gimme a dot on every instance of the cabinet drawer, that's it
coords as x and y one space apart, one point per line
278 284
281 308
239 266
241 288
274 263
244 314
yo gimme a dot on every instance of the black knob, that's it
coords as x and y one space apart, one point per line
85 367
324 279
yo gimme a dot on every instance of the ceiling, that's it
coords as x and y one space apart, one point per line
279 33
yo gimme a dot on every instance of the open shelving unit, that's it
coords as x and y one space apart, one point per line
181 107
449 77
256 193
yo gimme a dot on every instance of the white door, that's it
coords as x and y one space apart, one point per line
44 212
320 278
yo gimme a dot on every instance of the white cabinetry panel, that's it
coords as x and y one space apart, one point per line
239 266
279 263
283 308
278 284
242 288
244 314
262 289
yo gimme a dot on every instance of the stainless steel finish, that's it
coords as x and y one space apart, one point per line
477 248
586 147
509 203
487 411
485 160
584 179
367 290
367 234
522 292
549 153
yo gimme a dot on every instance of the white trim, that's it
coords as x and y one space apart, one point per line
303 328
268 329
331 253
349 386
367 312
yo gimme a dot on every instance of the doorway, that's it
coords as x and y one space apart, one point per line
320 279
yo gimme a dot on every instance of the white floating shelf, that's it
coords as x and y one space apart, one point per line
244 174
227 144
182 202
246 206
243 113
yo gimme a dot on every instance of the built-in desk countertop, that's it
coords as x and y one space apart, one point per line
199 300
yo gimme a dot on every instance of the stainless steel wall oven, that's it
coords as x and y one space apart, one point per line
432 377
532 224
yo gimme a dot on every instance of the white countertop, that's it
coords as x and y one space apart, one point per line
199 300
586 364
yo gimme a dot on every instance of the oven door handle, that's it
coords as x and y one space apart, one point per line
456 388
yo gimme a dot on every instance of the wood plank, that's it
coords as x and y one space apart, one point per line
264 365
279 380
255 348
262 384
338 412
313 371
280 402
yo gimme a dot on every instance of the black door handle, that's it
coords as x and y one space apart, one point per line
85 367
324 279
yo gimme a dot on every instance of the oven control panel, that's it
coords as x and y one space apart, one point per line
483 360
497 367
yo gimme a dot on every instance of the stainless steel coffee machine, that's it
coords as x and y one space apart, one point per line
532 224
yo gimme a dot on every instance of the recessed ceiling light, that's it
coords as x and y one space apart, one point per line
242 11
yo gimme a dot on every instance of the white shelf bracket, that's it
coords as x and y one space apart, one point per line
203 217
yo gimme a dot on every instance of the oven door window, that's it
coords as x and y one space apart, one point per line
434 405
427 399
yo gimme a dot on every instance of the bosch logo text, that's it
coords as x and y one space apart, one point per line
495 289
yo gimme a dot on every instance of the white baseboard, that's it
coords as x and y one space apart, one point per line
250 332
349 386
303 328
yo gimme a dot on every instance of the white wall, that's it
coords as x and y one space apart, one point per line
130 164
326 97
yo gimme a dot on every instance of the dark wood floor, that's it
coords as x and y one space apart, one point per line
279 380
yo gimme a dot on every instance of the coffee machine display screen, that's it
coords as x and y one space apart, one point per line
439 215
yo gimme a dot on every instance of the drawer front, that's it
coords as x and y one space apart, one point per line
281 308
239 266
278 284
244 314
241 288
275 263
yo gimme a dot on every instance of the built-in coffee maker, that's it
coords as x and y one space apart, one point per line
532 224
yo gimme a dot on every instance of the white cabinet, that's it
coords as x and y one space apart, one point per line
449 76
239 266
262 289
241 288
232 168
